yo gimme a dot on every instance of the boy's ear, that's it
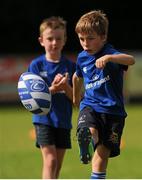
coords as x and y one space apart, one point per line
104 38
40 41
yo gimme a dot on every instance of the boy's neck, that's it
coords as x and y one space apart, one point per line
53 58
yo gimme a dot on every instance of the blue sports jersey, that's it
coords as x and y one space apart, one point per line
103 87
61 107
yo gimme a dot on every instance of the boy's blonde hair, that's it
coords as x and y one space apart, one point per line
53 22
93 21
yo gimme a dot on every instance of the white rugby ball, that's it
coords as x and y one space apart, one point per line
34 93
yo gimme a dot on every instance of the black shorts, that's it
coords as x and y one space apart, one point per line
48 135
110 128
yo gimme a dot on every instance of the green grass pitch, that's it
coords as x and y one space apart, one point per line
19 159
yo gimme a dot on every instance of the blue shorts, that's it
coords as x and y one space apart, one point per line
48 135
110 128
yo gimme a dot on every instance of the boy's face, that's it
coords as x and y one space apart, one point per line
53 40
92 43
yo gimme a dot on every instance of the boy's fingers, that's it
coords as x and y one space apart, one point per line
66 75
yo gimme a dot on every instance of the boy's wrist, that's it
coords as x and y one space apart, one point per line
52 89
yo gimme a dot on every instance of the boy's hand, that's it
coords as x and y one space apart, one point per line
64 82
101 62
60 82
57 79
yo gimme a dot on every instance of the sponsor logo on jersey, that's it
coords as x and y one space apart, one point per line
43 73
97 83
95 77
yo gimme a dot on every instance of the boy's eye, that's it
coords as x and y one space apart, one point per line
52 39
88 38
49 39
91 37
81 39
58 39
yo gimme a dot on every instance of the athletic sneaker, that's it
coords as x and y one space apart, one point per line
85 145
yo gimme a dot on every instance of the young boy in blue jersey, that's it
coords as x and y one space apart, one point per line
102 114
53 131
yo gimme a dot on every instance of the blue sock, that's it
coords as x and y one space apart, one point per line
98 175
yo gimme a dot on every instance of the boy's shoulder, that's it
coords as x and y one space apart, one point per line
38 59
83 54
109 49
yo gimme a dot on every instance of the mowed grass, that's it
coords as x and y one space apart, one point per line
20 159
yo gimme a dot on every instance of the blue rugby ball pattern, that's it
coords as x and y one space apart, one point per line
34 93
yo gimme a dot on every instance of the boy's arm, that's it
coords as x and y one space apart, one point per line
69 91
123 59
77 87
